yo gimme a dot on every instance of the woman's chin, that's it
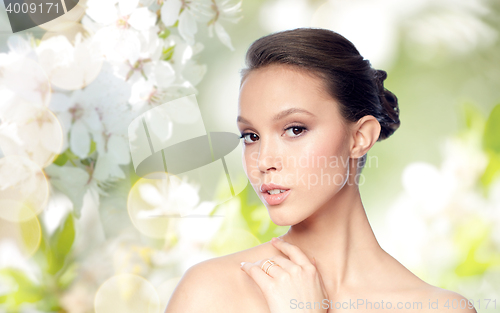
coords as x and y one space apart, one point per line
281 220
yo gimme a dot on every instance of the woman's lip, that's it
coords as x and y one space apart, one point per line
270 186
276 199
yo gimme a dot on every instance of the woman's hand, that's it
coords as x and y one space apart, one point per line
291 284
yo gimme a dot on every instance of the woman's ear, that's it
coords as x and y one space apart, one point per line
365 133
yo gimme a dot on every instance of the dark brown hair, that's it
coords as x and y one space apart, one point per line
348 77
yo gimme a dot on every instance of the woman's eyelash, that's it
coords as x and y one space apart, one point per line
290 127
244 134
297 126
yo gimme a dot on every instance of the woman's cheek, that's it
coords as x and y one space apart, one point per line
328 169
250 167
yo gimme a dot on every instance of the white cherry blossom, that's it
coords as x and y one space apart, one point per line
78 119
225 10
121 23
70 66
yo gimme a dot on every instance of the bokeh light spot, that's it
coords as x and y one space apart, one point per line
127 293
24 189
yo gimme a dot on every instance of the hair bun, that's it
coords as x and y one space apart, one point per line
389 107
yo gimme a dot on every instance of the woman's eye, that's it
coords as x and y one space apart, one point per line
248 137
295 131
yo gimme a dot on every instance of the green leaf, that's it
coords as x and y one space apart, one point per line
50 303
64 238
60 244
164 33
31 234
492 169
491 144
167 53
491 135
257 218
472 239
68 276
86 161
92 147
26 291
40 256
61 159
70 154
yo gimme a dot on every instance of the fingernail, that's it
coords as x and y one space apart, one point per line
242 263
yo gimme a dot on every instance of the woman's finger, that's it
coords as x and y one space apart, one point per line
293 252
273 269
253 270
285 263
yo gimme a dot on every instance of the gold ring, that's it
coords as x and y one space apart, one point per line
267 270
270 261
271 264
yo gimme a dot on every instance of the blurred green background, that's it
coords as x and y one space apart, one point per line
432 191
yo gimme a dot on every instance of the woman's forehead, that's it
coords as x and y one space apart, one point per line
276 88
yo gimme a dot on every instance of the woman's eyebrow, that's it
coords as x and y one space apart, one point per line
278 116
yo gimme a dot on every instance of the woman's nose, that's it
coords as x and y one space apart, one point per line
268 159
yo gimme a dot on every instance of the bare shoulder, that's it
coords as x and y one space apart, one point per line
217 285
204 287
446 301
420 295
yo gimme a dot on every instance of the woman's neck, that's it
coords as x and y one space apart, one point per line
340 239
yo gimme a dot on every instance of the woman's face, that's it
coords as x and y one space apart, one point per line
305 151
